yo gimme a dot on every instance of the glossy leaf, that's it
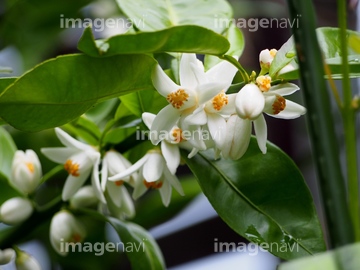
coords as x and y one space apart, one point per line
346 257
148 255
329 42
5 82
263 198
152 15
61 89
174 39
7 151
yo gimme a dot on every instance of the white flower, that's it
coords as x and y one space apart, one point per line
65 229
196 87
84 197
25 171
15 210
118 199
6 255
80 160
251 103
237 137
170 145
266 57
24 261
153 173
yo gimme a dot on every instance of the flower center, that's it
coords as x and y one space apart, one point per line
220 100
177 98
119 183
279 104
264 83
153 185
177 135
273 52
30 166
71 168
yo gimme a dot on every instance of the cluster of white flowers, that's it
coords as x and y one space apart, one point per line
200 115
23 261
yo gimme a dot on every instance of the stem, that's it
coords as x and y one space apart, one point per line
348 115
321 125
242 71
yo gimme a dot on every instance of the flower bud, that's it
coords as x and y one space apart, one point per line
15 210
249 102
24 261
26 171
6 256
266 57
84 197
65 228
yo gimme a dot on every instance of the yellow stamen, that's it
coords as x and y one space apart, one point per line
177 98
273 52
153 185
71 168
177 134
220 101
279 104
264 83
119 183
30 166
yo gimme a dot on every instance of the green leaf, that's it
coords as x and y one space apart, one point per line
329 42
7 151
61 89
263 198
152 15
148 255
5 82
237 44
346 257
7 191
175 39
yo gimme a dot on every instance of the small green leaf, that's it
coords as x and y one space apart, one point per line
346 257
7 151
263 198
7 191
60 90
5 82
152 15
175 39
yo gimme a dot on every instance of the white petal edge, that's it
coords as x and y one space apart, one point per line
162 83
136 166
148 119
153 167
261 132
291 111
171 154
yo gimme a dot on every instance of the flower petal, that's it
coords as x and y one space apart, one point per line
95 182
229 108
187 76
283 89
171 154
139 188
74 183
174 181
249 102
162 83
153 167
261 132
165 193
69 141
137 165
237 137
291 111
222 72
59 154
198 117
164 121
148 119
217 128
207 91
